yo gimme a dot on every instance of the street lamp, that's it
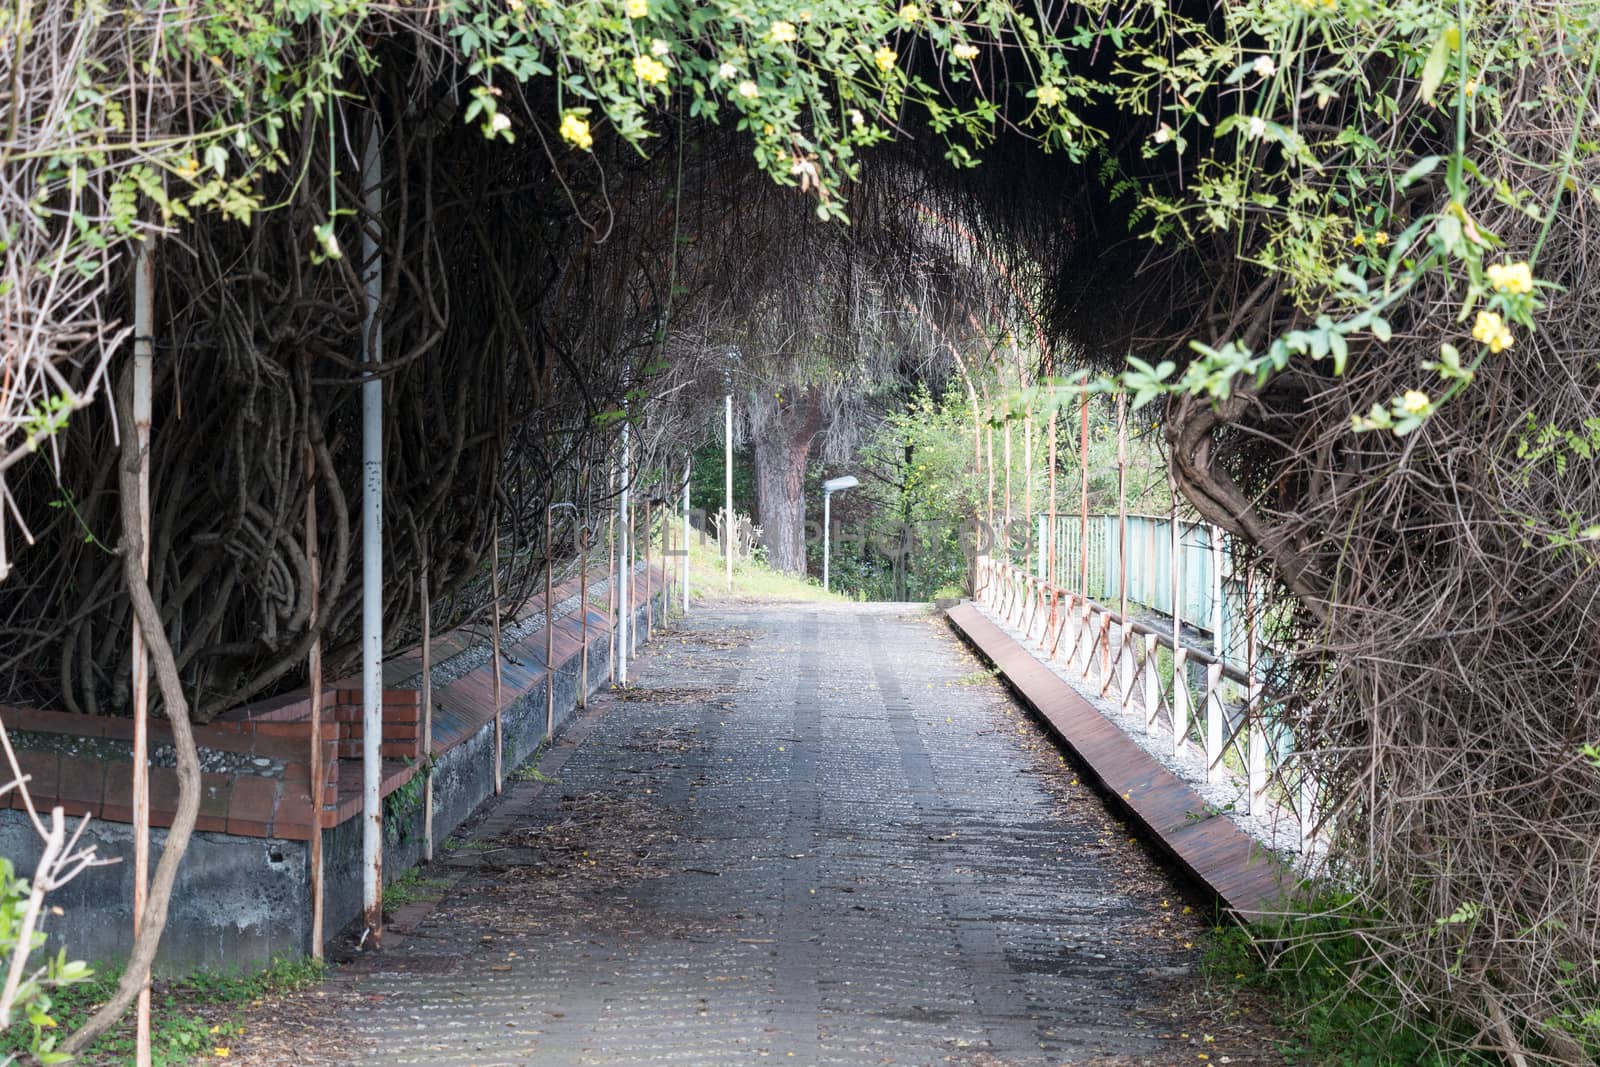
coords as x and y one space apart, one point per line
829 487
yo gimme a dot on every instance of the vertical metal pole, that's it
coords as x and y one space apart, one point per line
1124 653
727 488
1256 747
583 610
1122 505
989 469
1027 479
143 390
1214 712
827 519
372 548
1083 496
687 468
1006 521
1214 540
624 563
318 771
427 711
649 599
1180 681
611 595
549 625
1054 574
494 656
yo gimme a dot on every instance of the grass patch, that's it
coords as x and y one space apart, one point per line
752 579
412 887
1317 974
189 1017
978 677
529 772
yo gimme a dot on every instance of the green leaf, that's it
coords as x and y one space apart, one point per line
1438 62
1418 170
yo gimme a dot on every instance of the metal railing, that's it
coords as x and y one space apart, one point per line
1148 676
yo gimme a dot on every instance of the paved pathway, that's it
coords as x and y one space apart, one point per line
810 834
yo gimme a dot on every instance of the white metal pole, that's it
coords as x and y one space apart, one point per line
427 712
727 477
827 521
1180 683
624 566
550 624
687 468
1214 540
143 389
372 550
318 769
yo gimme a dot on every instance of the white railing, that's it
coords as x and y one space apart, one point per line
1140 668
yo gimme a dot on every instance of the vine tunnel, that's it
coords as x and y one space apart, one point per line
537 304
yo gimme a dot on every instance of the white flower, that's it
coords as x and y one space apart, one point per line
727 71
658 47
1264 66
748 89
1164 134
857 119
1258 127
501 122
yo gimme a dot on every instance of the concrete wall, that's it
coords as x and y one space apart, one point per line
235 903
240 901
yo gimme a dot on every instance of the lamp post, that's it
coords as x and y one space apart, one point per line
829 487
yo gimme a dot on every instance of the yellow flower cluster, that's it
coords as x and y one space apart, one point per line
1511 277
910 12
1048 96
649 70
781 32
636 9
575 130
1415 402
1490 330
885 58
965 51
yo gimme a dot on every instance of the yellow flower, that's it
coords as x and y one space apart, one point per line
1380 238
1511 277
910 12
782 33
1415 402
965 51
885 58
221 1053
1472 86
636 9
649 70
1489 329
1486 326
189 168
575 130
748 90
1048 96
1359 239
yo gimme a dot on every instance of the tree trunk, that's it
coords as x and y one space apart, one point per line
783 434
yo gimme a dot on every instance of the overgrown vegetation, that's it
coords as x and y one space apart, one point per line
1344 1009
193 1017
1358 282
